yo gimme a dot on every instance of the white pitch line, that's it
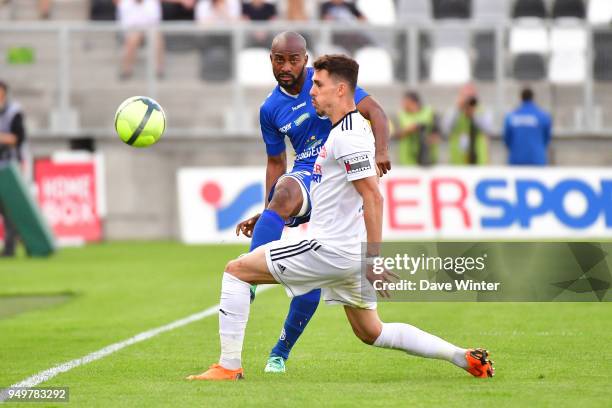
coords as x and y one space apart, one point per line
46 375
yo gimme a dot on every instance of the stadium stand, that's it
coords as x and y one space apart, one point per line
568 8
529 8
450 66
375 66
603 56
488 11
378 12
451 9
414 11
568 60
197 65
528 46
600 12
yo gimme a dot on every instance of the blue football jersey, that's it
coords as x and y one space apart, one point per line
283 115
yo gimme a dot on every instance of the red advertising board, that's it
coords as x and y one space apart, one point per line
67 194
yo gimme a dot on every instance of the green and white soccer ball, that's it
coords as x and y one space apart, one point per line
140 121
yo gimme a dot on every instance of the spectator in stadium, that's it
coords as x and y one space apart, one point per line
12 136
217 11
468 128
527 132
345 12
103 10
296 10
340 10
135 17
259 10
178 10
417 132
44 9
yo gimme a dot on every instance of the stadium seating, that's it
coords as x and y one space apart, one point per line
568 8
488 11
414 11
568 59
443 9
603 56
528 46
375 66
600 12
484 65
378 12
529 8
529 39
254 67
450 66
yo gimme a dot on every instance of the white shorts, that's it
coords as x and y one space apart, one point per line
304 265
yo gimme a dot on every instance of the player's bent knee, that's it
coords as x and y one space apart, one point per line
286 200
233 268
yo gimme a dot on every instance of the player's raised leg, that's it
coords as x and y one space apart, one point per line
368 327
234 313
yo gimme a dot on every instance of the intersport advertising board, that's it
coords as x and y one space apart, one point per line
436 203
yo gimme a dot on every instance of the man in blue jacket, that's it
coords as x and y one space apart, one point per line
527 133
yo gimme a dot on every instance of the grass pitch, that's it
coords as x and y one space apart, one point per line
547 354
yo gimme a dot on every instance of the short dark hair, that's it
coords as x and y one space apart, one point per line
340 66
4 85
527 94
413 96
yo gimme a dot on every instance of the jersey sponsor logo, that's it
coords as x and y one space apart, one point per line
301 105
323 152
311 152
317 173
301 119
282 268
285 128
357 164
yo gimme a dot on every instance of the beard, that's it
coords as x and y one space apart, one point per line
288 83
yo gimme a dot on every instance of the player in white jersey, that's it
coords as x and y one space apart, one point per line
346 211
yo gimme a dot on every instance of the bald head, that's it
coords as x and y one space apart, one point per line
289 42
289 59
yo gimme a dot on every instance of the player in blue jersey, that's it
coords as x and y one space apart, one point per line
288 113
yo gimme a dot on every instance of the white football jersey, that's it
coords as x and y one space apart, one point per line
337 208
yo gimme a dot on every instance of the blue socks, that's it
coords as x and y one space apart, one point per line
300 312
269 228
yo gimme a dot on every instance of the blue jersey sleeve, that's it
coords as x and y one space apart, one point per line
360 93
275 140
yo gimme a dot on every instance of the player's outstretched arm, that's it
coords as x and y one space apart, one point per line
372 111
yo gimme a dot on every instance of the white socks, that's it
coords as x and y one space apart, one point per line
401 336
233 316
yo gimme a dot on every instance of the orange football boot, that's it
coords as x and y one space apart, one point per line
479 364
218 373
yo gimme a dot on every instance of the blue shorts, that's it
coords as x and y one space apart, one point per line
303 177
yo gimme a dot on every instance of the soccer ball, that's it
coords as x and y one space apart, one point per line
140 121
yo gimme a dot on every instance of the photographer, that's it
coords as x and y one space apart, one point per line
417 132
12 135
468 128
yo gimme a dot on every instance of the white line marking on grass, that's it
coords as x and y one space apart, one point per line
46 375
